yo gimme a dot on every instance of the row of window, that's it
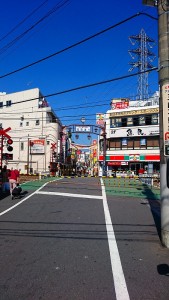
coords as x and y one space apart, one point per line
8 103
37 122
139 120
129 143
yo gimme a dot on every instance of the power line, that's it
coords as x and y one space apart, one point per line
54 9
87 86
78 43
21 22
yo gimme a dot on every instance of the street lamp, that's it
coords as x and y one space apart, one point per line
89 136
83 120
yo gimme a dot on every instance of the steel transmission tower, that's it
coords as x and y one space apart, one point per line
142 57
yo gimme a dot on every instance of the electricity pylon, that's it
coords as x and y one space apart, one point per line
142 57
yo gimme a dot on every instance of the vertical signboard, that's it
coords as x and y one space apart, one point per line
100 119
165 92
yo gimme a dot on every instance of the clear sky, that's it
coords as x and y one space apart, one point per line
34 29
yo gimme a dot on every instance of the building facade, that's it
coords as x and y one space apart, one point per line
132 137
35 131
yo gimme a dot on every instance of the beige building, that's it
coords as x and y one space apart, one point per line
34 129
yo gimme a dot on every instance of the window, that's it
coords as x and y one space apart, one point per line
129 121
143 143
130 144
115 144
136 121
112 122
147 119
123 143
142 120
118 122
136 144
21 124
48 142
37 122
154 119
22 146
1 104
124 122
27 123
8 103
1 126
153 143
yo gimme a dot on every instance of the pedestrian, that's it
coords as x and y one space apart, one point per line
5 179
13 179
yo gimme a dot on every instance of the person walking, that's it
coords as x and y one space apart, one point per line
5 179
13 179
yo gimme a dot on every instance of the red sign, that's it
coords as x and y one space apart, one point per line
114 163
166 136
53 146
4 132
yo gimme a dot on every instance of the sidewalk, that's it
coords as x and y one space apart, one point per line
130 188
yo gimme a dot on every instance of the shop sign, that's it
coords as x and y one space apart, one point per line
37 146
114 163
134 157
82 128
100 118
134 131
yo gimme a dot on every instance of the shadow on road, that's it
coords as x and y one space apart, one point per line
163 269
155 207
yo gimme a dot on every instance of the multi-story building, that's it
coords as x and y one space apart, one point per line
132 136
35 131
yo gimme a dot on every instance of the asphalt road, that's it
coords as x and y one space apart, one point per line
68 241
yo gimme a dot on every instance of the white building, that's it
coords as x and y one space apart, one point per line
34 129
132 136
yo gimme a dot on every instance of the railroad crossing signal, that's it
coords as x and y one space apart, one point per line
53 146
3 132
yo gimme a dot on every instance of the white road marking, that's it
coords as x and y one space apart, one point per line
117 270
69 195
20 202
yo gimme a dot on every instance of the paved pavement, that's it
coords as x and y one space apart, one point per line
70 240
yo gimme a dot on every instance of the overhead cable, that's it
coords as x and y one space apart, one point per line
88 85
78 43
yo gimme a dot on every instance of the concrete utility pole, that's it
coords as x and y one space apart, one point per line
163 28
163 44
104 169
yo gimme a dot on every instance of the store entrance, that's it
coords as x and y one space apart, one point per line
135 167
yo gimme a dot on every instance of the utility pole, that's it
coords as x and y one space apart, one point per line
163 44
104 150
163 27
28 155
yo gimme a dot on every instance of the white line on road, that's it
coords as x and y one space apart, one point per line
20 202
117 270
68 195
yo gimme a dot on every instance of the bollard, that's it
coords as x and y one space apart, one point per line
40 175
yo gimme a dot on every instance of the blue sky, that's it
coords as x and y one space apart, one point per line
101 58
